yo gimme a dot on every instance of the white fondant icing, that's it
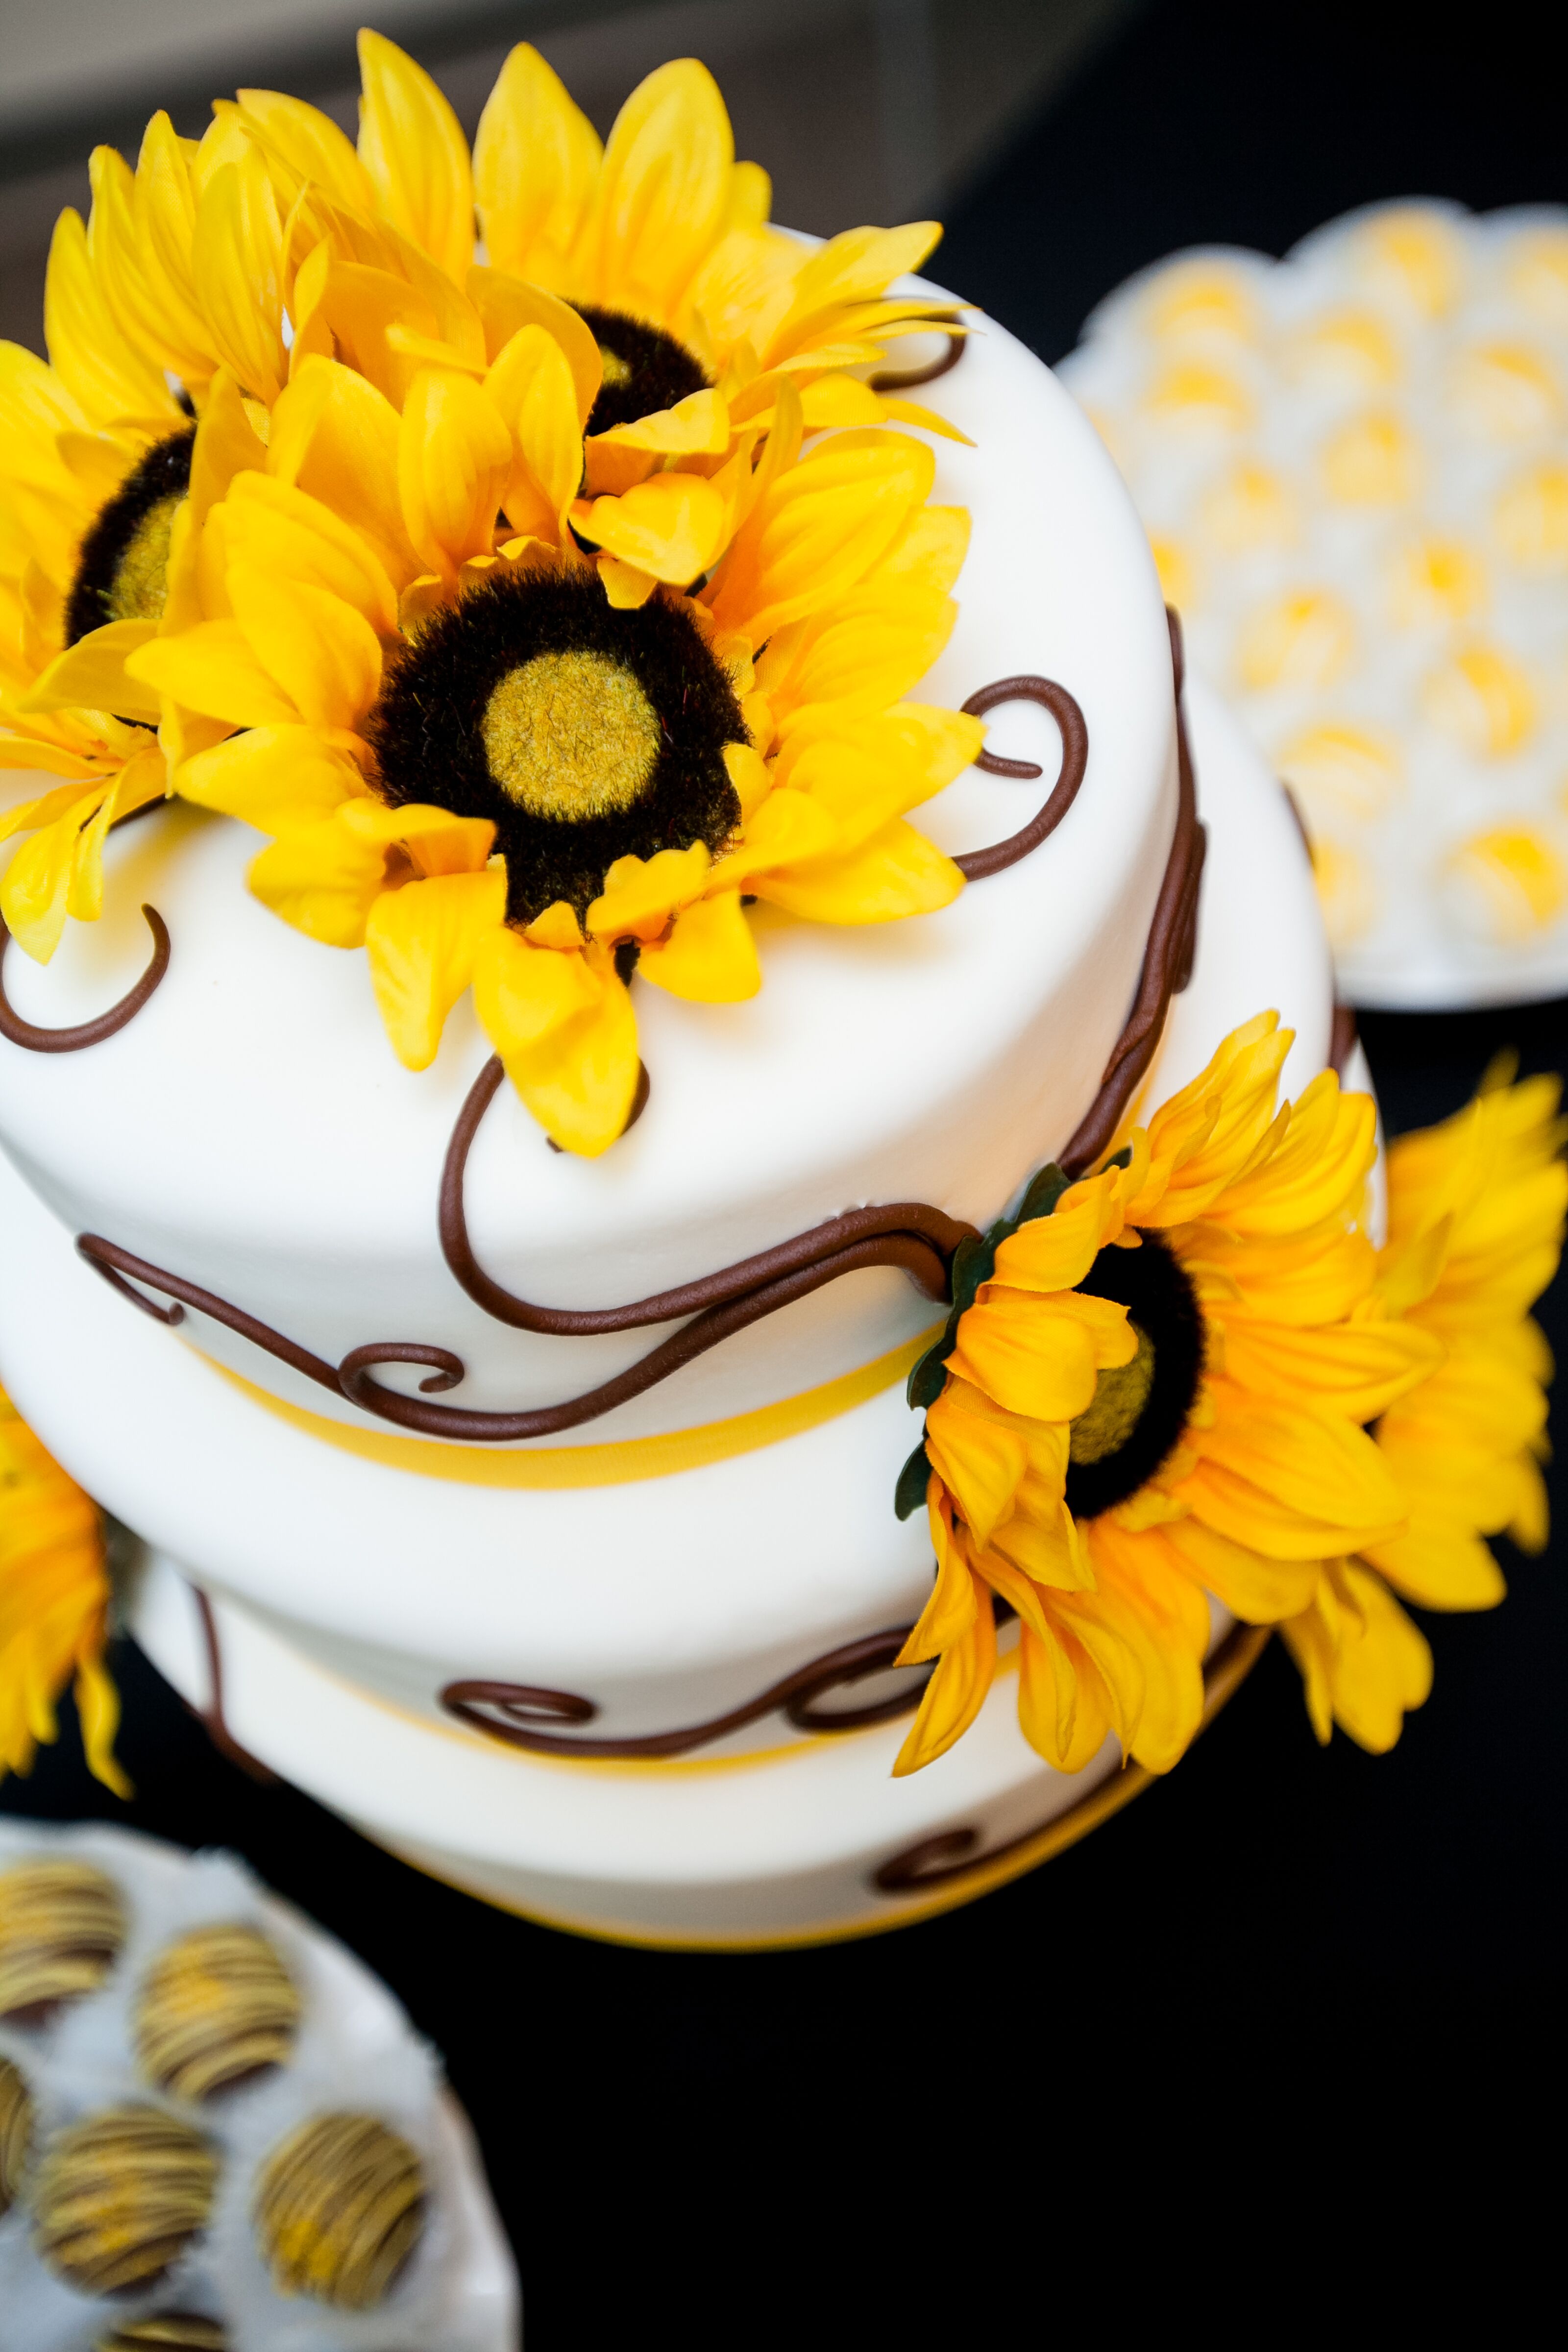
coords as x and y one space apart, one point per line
251 1130
666 1602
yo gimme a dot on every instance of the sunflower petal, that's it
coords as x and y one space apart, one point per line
818 529
505 304
322 653
1033 1360
304 145
92 674
421 942
531 385
275 778
1364 1665
453 456
672 526
236 264
335 436
274 529
980 1462
955 1693
1063 1707
698 426
322 878
416 155
710 957
36 888
536 163
212 669
106 374
897 872
663 191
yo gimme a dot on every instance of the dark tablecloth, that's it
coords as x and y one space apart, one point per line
698 2144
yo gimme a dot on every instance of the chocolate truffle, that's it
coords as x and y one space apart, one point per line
339 2210
215 2008
61 1925
16 2132
118 2198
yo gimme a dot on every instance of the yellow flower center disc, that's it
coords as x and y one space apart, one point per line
1117 1406
617 371
141 575
571 735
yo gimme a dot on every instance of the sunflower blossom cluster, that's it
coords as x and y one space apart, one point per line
521 600
1475 1230
1154 1388
54 1608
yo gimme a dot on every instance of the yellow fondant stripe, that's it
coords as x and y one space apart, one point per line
628 1459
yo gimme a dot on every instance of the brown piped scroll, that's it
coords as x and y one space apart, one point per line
912 1235
910 1219
978 865
519 1707
35 1040
905 378
122 1272
213 1715
1167 958
917 1256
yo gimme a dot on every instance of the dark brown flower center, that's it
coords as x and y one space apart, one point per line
123 569
645 368
584 732
1139 1409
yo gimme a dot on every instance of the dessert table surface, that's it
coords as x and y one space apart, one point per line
1316 1930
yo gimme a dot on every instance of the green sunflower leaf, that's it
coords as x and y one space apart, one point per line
910 1494
929 1377
1045 1190
972 1264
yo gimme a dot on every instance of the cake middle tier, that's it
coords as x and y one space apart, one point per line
663 1602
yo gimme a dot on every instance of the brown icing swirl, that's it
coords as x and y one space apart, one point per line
211 1716
913 1219
35 1040
521 1706
914 1235
1167 958
905 378
917 1256
978 865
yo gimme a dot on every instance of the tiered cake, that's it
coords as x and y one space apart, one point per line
631 1672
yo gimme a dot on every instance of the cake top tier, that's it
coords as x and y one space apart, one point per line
250 1130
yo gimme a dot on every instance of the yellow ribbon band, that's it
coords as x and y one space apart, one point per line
554 1467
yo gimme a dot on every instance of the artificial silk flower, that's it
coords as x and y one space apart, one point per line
1154 1388
679 311
650 262
1475 1230
94 461
485 767
54 1608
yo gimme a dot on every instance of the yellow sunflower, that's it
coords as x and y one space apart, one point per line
239 261
54 1606
1475 1215
649 261
481 767
1150 1390
94 458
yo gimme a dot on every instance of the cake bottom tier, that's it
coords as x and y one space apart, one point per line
805 1844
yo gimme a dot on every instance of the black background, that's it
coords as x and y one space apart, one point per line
1302 2003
